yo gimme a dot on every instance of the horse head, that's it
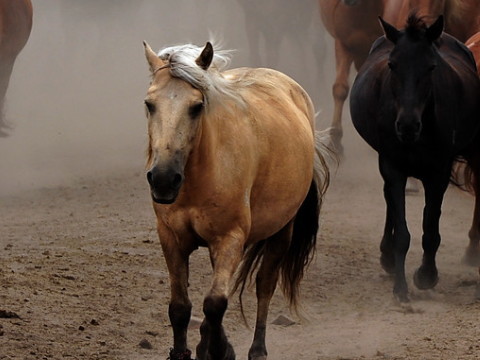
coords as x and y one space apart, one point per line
412 63
174 109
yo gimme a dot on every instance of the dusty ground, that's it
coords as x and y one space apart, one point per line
82 268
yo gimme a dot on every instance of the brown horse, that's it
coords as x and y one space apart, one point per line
354 26
233 166
15 24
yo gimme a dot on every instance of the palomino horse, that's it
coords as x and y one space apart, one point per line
354 26
16 24
231 167
415 101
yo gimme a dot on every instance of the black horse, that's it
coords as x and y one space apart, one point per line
416 102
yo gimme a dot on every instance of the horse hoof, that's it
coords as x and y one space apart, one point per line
388 264
472 256
425 279
401 297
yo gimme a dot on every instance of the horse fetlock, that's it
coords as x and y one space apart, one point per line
214 308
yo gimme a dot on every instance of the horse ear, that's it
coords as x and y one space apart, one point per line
153 60
206 57
435 30
391 33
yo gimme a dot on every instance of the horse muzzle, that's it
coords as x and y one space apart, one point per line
164 184
408 129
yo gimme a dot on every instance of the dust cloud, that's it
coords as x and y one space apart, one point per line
75 101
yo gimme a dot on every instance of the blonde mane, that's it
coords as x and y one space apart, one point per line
181 61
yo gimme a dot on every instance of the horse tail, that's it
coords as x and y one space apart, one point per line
304 235
306 223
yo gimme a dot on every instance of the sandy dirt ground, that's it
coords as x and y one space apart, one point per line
82 277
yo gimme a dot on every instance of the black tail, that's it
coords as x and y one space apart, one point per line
302 247
298 256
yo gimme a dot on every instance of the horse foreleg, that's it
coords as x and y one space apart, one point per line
426 276
226 254
180 307
266 282
394 192
387 259
343 63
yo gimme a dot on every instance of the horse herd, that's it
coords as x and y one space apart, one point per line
235 163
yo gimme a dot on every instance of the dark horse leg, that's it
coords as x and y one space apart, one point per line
395 246
226 253
266 282
426 276
472 254
180 307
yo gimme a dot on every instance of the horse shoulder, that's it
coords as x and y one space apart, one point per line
368 93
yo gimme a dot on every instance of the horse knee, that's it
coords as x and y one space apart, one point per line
340 91
214 308
179 314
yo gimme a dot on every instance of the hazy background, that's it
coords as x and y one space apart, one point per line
75 100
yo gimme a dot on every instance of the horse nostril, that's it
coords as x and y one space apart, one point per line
177 180
150 177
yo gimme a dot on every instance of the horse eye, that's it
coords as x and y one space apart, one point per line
195 110
150 106
392 65
432 67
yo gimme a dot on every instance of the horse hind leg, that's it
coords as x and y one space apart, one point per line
266 282
340 89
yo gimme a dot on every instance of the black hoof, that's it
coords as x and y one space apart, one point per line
388 263
425 279
175 355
